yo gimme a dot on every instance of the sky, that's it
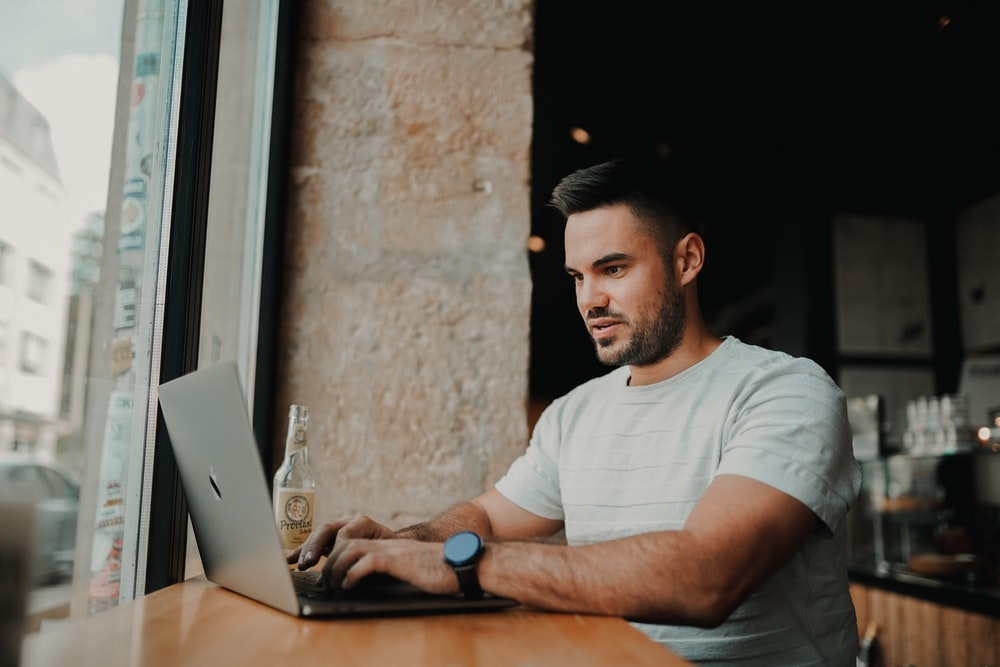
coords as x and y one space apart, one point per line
62 56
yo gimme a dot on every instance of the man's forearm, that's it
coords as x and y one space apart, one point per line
637 577
466 516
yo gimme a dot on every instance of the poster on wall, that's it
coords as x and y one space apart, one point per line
978 249
882 288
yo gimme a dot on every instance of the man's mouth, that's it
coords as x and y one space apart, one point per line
603 328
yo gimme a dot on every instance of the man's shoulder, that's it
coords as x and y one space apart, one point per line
759 367
769 359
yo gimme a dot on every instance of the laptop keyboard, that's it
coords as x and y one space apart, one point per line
381 594
307 582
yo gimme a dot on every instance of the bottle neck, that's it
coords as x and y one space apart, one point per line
294 450
296 440
300 454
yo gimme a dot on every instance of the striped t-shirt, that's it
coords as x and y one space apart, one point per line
612 460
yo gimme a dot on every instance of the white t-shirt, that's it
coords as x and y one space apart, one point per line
612 460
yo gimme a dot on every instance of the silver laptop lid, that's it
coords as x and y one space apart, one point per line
217 457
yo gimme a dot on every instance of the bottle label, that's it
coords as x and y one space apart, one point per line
293 509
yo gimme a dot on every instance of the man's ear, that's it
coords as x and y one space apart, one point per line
690 256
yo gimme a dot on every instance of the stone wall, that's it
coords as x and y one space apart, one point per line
407 303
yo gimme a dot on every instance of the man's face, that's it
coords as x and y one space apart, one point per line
629 300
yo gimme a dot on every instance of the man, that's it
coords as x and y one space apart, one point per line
702 484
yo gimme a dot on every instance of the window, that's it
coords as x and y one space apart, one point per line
149 287
39 281
34 353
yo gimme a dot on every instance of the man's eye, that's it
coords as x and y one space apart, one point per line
613 270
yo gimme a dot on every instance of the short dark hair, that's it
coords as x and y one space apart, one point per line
647 185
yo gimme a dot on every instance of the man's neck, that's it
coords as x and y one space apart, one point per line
698 343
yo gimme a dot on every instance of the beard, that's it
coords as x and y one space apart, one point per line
654 335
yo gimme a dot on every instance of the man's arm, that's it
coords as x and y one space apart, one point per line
740 533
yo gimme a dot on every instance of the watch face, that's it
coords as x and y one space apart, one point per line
462 547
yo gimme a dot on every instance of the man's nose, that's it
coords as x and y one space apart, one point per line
590 297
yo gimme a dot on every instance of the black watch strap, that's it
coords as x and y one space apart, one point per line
468 581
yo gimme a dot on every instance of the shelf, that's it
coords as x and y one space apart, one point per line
959 592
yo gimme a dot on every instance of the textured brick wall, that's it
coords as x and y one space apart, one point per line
406 315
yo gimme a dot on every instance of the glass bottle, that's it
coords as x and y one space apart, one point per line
294 487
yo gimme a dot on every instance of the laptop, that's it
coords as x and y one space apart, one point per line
206 416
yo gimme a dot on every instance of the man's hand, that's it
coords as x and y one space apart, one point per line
321 541
420 563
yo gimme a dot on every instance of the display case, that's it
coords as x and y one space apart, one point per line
925 515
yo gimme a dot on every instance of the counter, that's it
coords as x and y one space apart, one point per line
199 623
979 598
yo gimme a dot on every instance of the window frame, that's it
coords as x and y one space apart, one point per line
164 551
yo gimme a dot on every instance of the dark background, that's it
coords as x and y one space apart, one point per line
784 115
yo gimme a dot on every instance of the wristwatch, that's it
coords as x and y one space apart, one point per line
462 551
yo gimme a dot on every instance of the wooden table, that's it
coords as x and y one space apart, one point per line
198 623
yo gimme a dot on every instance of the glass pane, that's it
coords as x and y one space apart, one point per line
87 134
59 72
87 143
